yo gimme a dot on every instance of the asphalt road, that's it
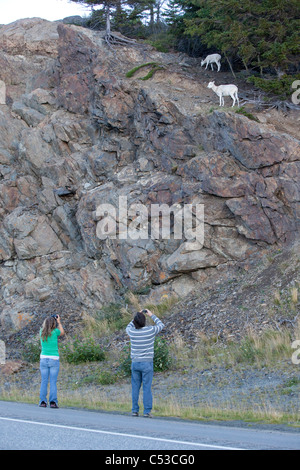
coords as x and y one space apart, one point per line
28 427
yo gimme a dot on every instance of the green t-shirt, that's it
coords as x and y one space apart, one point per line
50 346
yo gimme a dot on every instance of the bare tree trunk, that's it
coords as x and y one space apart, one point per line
158 11
246 67
107 21
151 15
260 67
112 38
230 66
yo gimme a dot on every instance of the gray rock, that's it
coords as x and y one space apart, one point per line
76 133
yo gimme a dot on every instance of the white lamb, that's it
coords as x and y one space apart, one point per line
212 59
225 90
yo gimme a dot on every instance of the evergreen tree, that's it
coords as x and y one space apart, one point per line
263 33
176 13
113 11
107 7
126 16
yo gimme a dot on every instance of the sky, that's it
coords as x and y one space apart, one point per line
52 10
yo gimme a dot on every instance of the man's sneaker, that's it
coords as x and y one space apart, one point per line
43 404
53 404
135 413
148 415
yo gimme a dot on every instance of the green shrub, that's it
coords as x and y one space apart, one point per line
281 87
162 357
104 377
31 351
81 350
125 361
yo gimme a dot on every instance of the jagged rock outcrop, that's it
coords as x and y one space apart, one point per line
76 133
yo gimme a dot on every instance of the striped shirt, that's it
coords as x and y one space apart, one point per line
142 340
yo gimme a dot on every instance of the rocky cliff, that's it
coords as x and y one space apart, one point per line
76 133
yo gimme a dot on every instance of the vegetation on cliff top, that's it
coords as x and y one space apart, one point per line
261 35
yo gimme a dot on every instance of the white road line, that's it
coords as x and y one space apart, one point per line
121 434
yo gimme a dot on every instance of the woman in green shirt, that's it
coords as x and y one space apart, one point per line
49 359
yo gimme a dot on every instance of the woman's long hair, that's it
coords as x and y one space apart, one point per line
48 326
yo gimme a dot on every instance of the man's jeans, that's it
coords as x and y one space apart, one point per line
49 370
141 372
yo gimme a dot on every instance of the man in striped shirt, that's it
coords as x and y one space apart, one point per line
142 352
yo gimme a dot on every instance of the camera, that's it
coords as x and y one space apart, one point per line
144 311
55 318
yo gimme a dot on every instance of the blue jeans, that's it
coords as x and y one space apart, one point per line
49 370
141 373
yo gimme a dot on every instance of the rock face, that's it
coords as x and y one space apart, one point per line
77 134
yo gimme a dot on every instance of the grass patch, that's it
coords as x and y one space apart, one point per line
154 67
94 400
259 350
115 316
243 111
227 412
152 72
160 309
285 303
224 109
135 69
111 318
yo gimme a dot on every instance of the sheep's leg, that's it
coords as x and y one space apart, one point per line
238 99
219 66
211 64
233 99
220 100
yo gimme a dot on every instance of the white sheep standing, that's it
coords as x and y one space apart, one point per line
212 59
225 90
